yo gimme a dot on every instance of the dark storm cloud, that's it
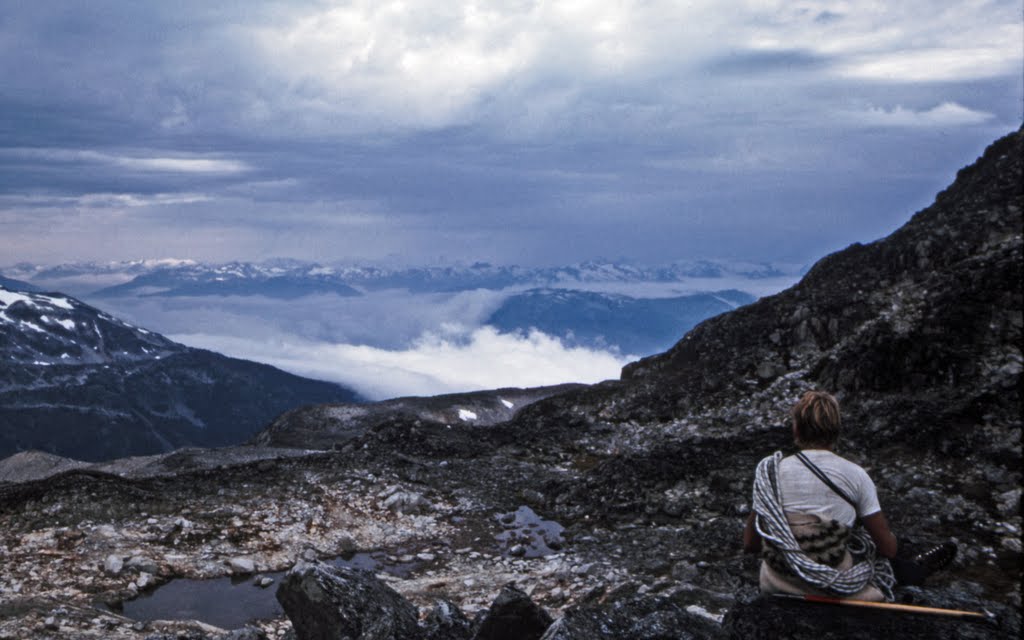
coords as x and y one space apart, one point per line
752 62
534 132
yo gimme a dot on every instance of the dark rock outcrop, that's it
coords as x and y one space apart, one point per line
513 616
928 317
768 618
332 425
326 603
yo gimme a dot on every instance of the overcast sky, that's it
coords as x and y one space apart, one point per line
515 132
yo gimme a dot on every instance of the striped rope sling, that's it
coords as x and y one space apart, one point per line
774 528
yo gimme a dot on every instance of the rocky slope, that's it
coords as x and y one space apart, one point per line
617 508
78 382
331 425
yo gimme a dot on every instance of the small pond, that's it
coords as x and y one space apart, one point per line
528 535
233 602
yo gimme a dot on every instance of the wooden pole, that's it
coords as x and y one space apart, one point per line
892 606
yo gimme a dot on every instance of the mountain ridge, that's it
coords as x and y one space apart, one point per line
76 381
601 320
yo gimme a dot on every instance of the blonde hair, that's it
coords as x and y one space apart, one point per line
816 419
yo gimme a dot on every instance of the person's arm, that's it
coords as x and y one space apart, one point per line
878 527
751 538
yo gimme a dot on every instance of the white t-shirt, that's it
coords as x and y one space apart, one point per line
804 492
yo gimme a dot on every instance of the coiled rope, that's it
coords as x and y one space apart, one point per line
773 526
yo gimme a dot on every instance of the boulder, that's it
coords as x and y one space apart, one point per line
513 616
243 566
447 622
113 564
407 502
142 564
324 601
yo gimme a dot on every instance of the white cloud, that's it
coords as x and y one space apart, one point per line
452 361
181 163
419 64
943 115
530 67
934 64
97 201
910 41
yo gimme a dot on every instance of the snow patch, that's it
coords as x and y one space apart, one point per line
67 324
32 326
60 303
466 415
9 297
508 405
732 305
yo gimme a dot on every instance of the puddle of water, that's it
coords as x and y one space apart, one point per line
228 603
378 562
538 537
233 602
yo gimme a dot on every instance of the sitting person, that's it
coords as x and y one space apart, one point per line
805 510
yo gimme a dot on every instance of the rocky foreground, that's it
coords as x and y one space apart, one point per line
606 511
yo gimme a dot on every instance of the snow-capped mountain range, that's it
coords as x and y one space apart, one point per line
287 278
48 329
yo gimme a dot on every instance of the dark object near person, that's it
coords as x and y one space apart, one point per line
914 570
936 558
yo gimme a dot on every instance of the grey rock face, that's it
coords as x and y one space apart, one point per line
325 602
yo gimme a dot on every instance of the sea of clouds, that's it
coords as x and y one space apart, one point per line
383 345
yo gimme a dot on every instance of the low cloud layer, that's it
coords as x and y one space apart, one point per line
947 114
384 320
454 360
